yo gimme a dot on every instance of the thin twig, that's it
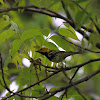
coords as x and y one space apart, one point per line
32 85
5 85
76 66
82 64
88 29
38 10
77 89
63 37
60 69
98 29
68 13
62 96
74 74
44 11
2 84
65 92
70 85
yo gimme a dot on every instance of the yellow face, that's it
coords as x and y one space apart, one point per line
44 49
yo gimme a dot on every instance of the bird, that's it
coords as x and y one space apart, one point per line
55 55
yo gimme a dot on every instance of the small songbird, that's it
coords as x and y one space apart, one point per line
54 55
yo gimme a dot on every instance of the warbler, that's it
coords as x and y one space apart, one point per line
54 55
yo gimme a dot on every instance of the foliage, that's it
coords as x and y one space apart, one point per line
25 26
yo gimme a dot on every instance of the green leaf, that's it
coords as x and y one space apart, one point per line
16 19
37 90
47 3
45 31
57 29
16 97
35 2
57 6
52 89
28 34
23 55
73 93
17 59
7 61
28 75
2 2
68 32
15 46
40 39
5 69
94 39
21 3
14 26
53 98
48 62
50 45
6 35
61 42
4 23
82 18
6 17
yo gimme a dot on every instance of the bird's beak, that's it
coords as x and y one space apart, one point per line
36 51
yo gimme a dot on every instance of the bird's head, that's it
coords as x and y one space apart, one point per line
43 50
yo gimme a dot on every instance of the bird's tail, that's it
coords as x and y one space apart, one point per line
79 52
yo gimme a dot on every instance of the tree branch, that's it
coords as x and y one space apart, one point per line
48 12
63 37
82 64
70 85
72 67
60 69
38 10
5 85
74 75
32 85
68 13
98 29
88 29
76 88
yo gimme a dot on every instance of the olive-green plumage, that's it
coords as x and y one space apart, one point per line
54 55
